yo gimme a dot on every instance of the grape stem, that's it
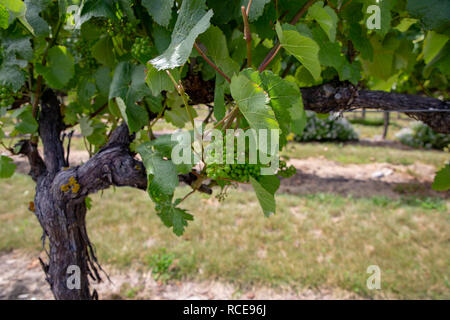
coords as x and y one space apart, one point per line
247 33
212 64
272 53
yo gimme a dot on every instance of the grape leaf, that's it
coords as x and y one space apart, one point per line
405 24
121 80
12 76
253 102
285 100
7 167
265 189
433 43
256 9
17 9
103 80
174 217
96 8
60 67
325 17
442 179
432 13
383 59
4 17
135 115
159 81
127 87
160 10
162 174
330 52
34 8
219 98
86 126
192 20
360 41
305 49
27 123
216 48
103 51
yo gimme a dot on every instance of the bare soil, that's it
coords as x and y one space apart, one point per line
21 278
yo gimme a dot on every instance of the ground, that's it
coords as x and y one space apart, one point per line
348 207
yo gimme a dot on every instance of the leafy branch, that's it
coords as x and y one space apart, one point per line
274 51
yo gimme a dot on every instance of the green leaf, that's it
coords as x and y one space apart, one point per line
256 9
330 52
27 123
441 61
265 189
4 17
135 116
34 8
219 98
360 41
174 217
121 79
7 167
164 144
96 8
351 72
253 102
138 88
442 179
103 80
12 76
433 43
163 177
434 14
285 100
326 17
192 20
160 10
405 24
103 52
60 67
383 59
86 126
303 48
17 52
216 48
17 9
159 81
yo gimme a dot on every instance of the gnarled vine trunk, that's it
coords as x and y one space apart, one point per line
60 198
61 192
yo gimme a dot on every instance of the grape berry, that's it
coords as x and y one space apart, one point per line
121 27
6 97
142 50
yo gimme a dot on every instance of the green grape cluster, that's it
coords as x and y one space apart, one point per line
82 49
233 172
285 171
142 50
6 97
121 27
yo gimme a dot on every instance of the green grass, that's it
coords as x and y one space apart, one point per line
354 153
313 241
